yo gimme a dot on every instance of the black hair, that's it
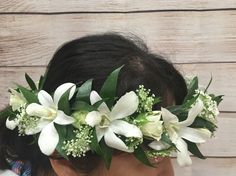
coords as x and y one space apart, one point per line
96 56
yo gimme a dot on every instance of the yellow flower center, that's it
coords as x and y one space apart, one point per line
105 122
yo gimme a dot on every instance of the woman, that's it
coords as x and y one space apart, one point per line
96 56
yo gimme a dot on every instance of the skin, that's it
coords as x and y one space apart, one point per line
124 164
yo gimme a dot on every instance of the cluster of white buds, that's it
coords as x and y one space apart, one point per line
210 110
80 145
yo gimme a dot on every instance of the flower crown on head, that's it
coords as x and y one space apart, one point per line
77 119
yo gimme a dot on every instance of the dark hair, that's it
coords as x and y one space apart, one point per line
96 56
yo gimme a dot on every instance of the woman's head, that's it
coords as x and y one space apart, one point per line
96 56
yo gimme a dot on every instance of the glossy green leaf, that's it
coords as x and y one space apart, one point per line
29 95
7 112
82 106
141 156
97 104
108 89
166 139
94 144
106 153
193 148
202 123
62 131
64 103
41 82
218 98
191 88
30 82
83 92
191 101
101 149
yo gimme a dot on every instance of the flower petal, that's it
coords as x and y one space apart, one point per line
45 99
195 135
93 118
154 117
63 119
48 139
62 89
167 116
125 106
114 142
124 128
94 98
11 124
16 99
152 129
41 124
100 132
183 157
38 110
192 114
158 145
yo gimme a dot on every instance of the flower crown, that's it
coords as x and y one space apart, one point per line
77 119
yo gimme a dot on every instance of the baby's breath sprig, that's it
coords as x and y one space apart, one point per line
146 100
159 153
133 143
80 145
210 110
25 122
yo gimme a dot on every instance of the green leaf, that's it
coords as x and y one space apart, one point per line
166 139
64 103
94 144
174 109
7 112
84 91
106 153
29 95
191 88
156 100
97 104
208 85
218 99
30 82
108 89
141 156
41 82
193 148
63 136
82 106
203 123
188 103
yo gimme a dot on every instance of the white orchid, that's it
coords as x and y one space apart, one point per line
108 123
178 130
49 114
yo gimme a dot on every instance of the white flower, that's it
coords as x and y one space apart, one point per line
12 124
153 128
48 112
178 130
17 100
108 123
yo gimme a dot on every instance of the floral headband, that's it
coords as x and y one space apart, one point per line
77 119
